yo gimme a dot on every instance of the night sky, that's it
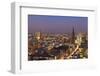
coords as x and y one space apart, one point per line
57 24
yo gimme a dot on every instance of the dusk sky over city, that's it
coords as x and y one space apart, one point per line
57 24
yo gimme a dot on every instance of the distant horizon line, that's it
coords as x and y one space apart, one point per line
56 33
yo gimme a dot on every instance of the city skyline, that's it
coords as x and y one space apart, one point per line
57 24
57 37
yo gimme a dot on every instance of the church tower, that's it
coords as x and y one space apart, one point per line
73 36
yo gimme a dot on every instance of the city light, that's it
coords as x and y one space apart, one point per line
58 44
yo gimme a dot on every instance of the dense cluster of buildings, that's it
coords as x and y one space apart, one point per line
50 46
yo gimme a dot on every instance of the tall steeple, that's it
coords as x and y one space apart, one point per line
73 35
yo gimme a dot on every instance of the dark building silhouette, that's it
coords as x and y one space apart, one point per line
73 36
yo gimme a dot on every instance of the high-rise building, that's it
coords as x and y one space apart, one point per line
81 39
38 35
78 39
